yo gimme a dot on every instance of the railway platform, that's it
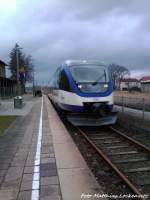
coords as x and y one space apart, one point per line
133 112
40 161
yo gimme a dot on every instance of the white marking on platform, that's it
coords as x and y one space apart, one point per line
36 174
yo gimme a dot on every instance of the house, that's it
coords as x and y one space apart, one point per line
145 84
129 83
2 69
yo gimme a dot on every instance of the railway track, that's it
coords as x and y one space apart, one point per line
127 157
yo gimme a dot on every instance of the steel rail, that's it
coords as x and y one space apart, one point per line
138 144
118 172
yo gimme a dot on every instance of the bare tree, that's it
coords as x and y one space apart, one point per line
118 73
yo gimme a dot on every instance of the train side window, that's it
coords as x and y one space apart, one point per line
55 80
64 82
57 77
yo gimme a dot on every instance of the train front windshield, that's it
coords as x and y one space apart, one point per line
90 78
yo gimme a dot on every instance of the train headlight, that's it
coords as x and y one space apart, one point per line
105 85
79 86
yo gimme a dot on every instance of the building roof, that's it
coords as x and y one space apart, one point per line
130 80
3 63
145 79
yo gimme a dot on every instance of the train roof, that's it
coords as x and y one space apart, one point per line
82 62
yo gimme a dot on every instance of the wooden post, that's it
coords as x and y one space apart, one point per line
143 108
122 104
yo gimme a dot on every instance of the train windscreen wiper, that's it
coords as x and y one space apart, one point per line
99 78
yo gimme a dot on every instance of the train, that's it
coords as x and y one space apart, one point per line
83 91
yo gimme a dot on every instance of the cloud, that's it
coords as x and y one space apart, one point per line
52 31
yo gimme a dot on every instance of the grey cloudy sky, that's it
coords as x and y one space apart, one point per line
113 31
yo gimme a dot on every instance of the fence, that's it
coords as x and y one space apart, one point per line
8 88
7 92
141 104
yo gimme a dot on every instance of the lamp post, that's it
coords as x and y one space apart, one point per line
18 82
17 59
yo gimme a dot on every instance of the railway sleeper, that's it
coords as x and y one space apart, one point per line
130 160
116 146
121 153
102 138
108 142
135 165
122 150
140 169
140 178
130 156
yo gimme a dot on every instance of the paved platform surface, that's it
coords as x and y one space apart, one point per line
17 159
39 160
7 106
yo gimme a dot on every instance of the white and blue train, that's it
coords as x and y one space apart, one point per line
84 91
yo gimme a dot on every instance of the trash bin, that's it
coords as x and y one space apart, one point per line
18 102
